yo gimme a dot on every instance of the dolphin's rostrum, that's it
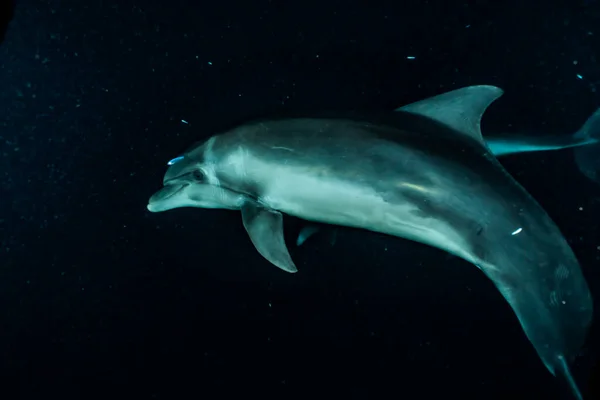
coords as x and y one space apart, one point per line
422 173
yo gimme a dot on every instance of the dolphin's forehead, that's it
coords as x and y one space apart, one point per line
181 167
186 163
197 149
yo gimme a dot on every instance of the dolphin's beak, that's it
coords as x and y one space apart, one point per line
155 204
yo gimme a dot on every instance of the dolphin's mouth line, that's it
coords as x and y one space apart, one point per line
182 186
173 192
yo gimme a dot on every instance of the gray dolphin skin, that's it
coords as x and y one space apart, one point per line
421 173
584 141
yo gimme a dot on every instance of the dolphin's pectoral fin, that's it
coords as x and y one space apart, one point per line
310 230
305 233
459 109
265 228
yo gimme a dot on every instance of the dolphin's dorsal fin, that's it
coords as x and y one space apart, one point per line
265 228
459 109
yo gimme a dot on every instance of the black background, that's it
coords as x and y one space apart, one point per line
100 298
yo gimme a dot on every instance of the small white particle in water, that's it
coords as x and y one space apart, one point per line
184 121
564 302
580 208
270 305
411 57
579 76
517 231
209 63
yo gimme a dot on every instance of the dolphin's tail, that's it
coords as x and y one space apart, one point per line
563 373
588 157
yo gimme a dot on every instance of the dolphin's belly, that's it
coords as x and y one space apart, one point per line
346 203
330 201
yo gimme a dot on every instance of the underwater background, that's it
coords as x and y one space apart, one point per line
99 298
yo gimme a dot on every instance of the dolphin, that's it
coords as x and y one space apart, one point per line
502 144
423 173
585 142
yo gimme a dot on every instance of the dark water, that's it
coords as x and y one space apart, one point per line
101 299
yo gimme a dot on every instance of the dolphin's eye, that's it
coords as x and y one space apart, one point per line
198 175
